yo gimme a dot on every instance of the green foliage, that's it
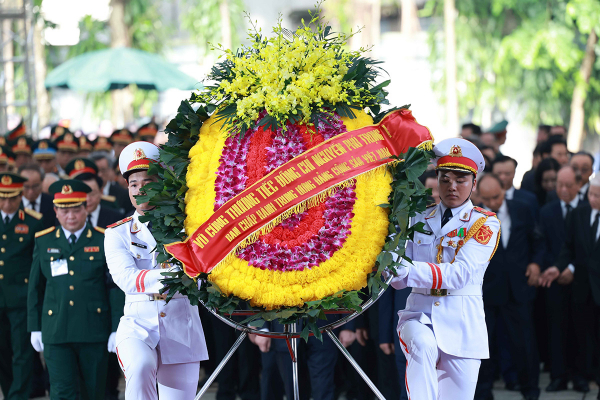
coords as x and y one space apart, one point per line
408 197
203 20
522 52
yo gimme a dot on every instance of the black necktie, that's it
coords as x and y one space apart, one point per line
33 205
568 213
72 239
447 217
89 219
595 227
6 220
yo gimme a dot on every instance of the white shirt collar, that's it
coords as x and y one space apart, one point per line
106 189
77 234
456 210
38 202
94 215
584 188
573 203
510 193
10 216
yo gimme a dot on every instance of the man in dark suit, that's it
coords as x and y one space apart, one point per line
389 304
316 359
583 164
507 291
33 198
579 264
111 190
553 219
504 167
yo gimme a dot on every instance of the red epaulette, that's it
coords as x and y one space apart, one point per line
121 222
484 211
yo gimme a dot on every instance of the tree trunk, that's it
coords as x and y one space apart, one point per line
122 99
43 100
9 66
450 40
366 14
226 39
409 19
577 122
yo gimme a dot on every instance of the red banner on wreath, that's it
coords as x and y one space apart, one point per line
315 171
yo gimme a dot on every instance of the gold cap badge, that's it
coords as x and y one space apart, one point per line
138 154
66 189
79 164
6 180
455 151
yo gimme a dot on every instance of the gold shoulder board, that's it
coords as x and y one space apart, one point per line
45 231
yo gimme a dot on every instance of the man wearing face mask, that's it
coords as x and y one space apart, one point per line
442 330
73 308
159 345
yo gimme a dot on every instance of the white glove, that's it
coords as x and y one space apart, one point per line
36 341
112 343
399 281
174 268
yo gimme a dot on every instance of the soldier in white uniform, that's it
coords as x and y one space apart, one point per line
442 329
157 344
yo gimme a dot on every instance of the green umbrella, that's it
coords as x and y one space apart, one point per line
115 68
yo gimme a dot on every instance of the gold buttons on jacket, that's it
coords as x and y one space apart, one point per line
71 273
26 280
71 303
71 287
99 310
49 312
21 239
437 303
71 258
162 314
4 237
3 250
51 258
91 258
1 263
1 276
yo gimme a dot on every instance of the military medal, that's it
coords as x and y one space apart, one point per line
451 243
452 234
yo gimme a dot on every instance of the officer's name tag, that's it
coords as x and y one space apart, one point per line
59 267
22 229
141 246
53 251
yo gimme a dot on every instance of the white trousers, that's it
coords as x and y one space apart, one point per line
432 374
143 369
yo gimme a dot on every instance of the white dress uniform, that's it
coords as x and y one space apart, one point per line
442 330
158 343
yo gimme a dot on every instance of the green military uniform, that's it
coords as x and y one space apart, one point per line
16 249
75 305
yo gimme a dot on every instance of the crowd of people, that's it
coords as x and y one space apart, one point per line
541 290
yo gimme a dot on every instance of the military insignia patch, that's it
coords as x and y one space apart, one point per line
91 249
53 251
484 234
21 229
484 211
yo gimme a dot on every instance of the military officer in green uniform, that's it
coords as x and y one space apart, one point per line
17 230
73 307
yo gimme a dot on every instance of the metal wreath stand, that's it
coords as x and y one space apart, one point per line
291 337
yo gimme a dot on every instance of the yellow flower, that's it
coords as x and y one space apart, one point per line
347 269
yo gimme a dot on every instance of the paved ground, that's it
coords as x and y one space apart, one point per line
499 393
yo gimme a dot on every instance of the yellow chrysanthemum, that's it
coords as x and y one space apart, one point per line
347 269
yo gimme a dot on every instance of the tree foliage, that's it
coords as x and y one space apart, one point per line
525 53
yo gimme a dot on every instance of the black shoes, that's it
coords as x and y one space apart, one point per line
557 385
581 385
